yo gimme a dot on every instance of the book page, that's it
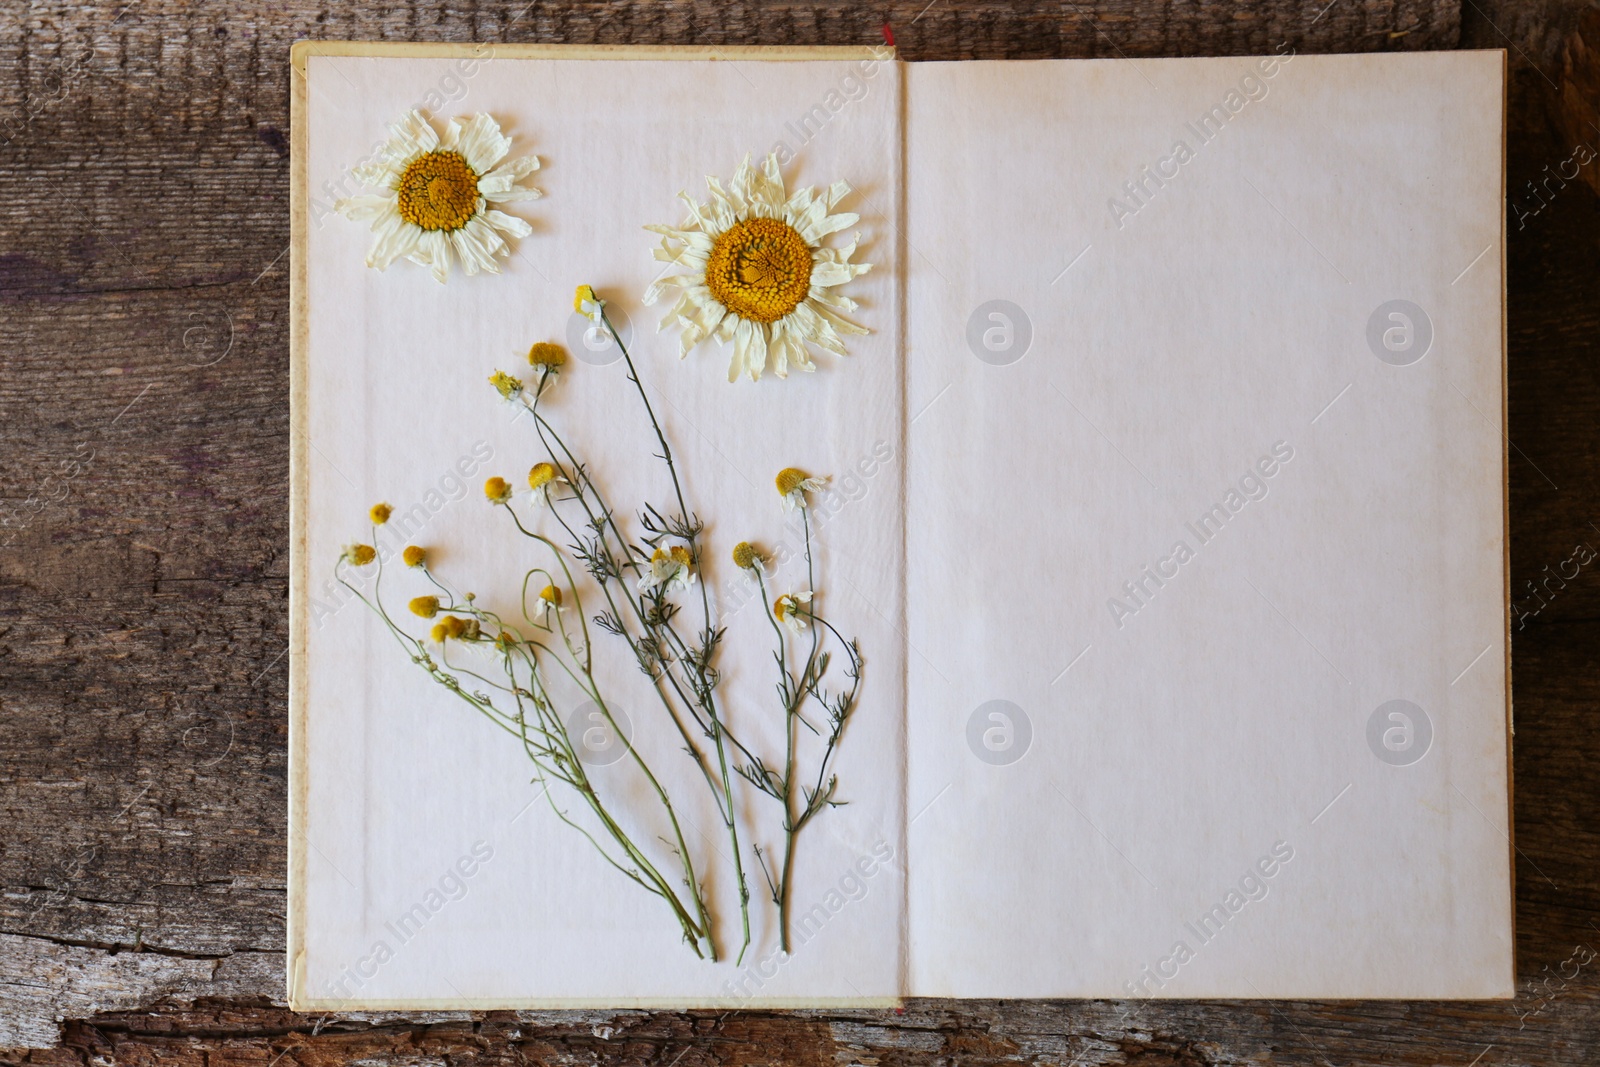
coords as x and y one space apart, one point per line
430 869
1206 587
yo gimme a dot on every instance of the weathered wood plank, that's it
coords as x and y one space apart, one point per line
143 406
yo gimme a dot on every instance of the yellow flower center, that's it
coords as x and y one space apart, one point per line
541 475
550 594
438 191
545 354
760 269
789 479
745 554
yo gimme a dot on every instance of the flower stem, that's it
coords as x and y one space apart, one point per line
705 687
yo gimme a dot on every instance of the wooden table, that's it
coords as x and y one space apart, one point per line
143 590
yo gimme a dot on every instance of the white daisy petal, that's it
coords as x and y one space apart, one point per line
828 298
779 347
774 178
437 249
832 224
384 173
486 244
816 330
843 325
798 203
824 275
503 185
741 351
396 241
505 224
361 208
413 135
756 360
481 143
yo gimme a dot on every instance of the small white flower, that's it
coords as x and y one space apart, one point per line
672 567
549 600
587 304
541 479
788 610
437 195
748 557
793 485
509 387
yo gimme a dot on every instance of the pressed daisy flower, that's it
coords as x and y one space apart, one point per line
541 479
547 356
756 273
414 556
441 630
673 568
508 387
380 514
787 609
438 192
793 484
360 555
425 606
498 490
748 557
549 600
587 304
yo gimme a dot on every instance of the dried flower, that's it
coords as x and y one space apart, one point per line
414 556
747 556
498 490
793 484
380 514
541 479
754 272
587 304
549 600
787 610
508 387
547 356
672 567
425 606
360 555
455 627
441 196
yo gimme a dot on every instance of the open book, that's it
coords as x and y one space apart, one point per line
1167 507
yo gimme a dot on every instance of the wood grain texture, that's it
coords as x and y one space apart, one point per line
144 408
